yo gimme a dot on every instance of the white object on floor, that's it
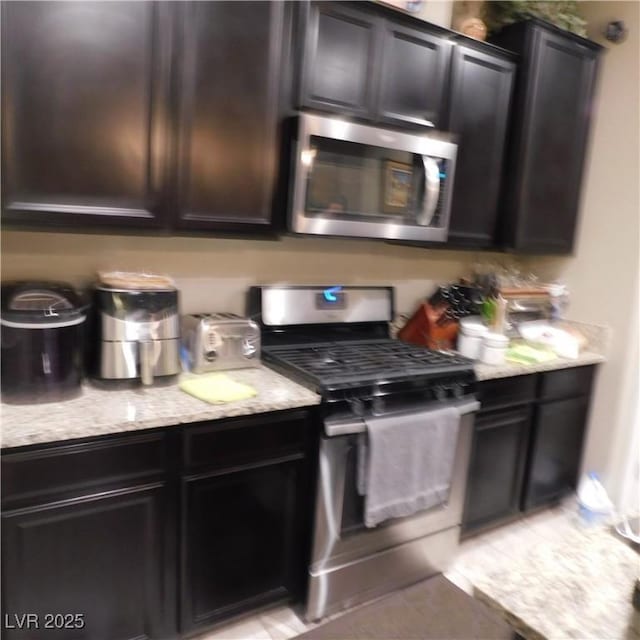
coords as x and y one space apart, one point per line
593 502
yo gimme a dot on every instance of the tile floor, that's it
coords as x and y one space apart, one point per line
475 555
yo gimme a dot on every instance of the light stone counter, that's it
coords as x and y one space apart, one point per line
597 337
101 412
508 369
578 586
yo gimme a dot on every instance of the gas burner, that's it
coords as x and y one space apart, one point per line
374 363
341 348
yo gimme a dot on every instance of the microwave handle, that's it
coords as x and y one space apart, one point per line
431 191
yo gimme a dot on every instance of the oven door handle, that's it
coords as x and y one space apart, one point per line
358 425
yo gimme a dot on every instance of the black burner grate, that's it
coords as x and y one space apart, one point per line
331 363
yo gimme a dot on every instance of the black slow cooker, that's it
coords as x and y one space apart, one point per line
42 342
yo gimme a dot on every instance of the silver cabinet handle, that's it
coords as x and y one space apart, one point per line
146 361
431 191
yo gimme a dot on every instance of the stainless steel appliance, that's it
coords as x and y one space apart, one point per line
215 341
358 180
136 334
335 340
42 342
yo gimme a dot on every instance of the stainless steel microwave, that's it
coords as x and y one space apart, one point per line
367 182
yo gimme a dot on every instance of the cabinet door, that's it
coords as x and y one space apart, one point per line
414 74
497 466
229 91
102 557
556 450
84 121
551 149
340 59
479 104
239 541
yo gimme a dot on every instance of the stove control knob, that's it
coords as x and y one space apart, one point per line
210 356
457 390
440 393
357 406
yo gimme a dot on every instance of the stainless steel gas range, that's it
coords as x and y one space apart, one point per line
335 340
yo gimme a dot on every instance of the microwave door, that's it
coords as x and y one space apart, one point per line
361 181
431 194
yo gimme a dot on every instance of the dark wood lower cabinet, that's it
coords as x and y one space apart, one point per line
527 444
497 466
98 560
556 448
238 541
153 535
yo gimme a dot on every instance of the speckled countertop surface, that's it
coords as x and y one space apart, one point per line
490 372
101 412
597 341
579 586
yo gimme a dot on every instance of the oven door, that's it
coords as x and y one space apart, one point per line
351 563
356 180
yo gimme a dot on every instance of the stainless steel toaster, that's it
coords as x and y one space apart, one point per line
217 341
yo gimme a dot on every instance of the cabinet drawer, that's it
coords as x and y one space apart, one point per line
245 440
566 383
76 469
506 392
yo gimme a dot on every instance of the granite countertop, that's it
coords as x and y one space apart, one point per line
597 340
100 412
579 586
105 411
508 369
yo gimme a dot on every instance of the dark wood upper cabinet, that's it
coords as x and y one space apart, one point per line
479 106
414 76
365 61
340 48
228 114
85 113
549 136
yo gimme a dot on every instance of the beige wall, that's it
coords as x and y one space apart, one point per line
604 274
213 274
435 11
